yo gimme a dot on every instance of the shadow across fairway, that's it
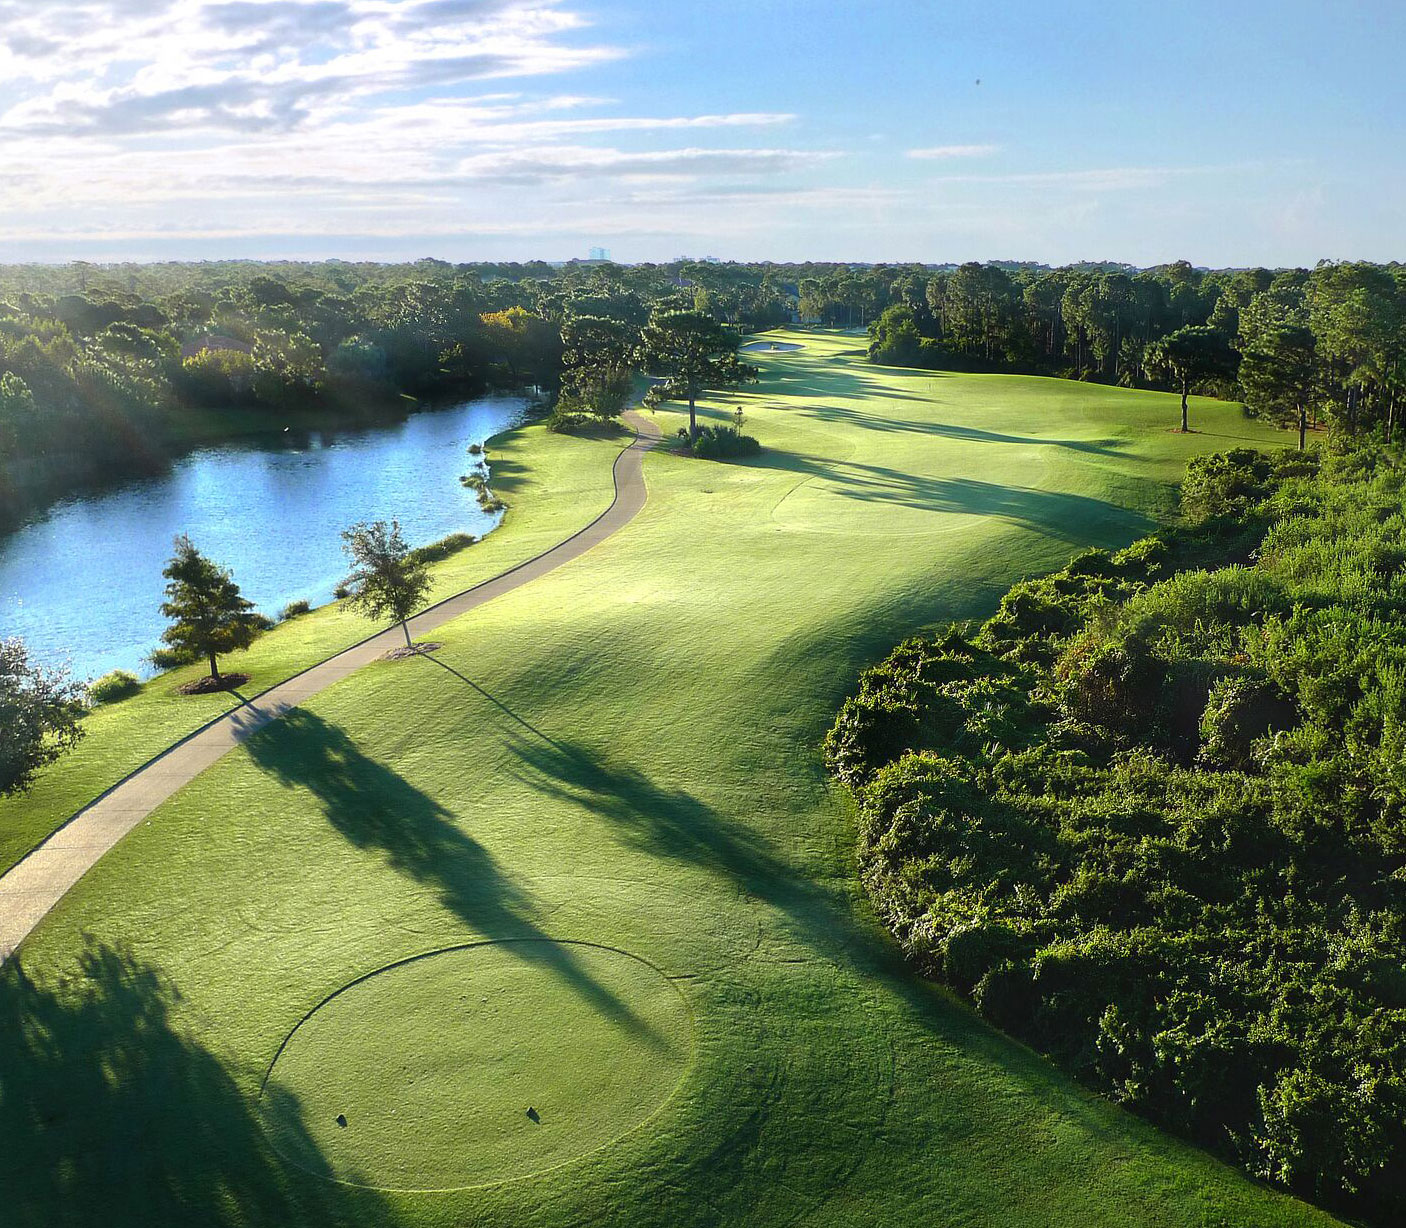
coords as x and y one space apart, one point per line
506 477
839 380
668 822
1057 514
375 808
493 699
949 430
111 1116
673 823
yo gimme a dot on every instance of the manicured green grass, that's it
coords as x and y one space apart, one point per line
446 1072
566 485
623 754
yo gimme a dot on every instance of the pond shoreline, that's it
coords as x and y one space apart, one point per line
270 506
32 486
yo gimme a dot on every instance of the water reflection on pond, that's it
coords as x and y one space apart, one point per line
83 582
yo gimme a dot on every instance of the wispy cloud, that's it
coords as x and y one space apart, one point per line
941 152
1109 179
190 117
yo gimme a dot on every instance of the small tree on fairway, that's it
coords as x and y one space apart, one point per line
39 711
1192 353
386 580
208 614
696 353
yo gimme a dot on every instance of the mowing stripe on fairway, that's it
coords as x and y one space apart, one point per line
40 879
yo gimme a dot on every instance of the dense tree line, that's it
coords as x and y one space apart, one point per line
1296 345
1151 818
103 368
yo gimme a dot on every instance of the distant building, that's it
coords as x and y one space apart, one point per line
600 253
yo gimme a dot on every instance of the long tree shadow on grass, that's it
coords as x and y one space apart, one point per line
950 430
376 808
669 822
838 379
110 1115
672 823
1051 512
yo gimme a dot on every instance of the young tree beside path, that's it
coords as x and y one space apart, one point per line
208 614
386 581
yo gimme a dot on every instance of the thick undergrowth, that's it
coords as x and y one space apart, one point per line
1149 818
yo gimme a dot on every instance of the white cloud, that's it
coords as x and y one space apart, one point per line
256 65
1111 179
218 117
941 152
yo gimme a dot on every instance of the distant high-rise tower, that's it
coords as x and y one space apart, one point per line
600 253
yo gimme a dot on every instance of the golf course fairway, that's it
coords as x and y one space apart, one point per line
598 813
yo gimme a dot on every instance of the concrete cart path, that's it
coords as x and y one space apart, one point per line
42 878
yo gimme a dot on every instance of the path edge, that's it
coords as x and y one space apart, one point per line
249 703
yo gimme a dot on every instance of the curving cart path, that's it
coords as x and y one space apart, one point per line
43 877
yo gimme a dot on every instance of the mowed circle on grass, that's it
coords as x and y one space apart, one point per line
477 1064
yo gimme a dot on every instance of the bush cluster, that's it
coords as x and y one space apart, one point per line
564 421
1151 818
437 551
114 686
721 442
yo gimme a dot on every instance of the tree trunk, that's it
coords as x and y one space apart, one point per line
692 422
1185 389
405 629
1390 416
214 669
1303 426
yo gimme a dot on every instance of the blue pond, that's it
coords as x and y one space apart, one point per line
82 584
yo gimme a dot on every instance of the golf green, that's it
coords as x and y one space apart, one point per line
454 1069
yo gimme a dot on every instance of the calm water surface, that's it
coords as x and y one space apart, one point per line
83 584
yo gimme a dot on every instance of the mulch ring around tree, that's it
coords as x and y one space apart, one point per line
415 650
208 685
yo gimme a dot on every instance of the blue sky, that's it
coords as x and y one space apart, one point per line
1231 133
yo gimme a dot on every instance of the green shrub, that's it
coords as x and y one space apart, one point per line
1151 817
293 609
436 551
169 658
563 422
1239 711
720 442
114 686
